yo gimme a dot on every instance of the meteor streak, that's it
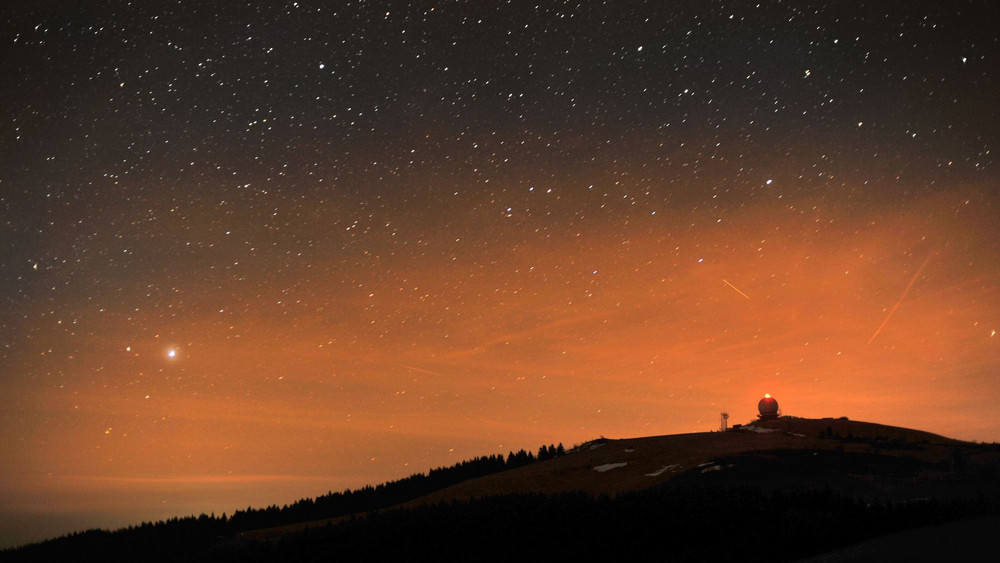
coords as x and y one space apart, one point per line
736 288
913 280
421 370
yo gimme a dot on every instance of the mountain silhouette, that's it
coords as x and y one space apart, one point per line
775 490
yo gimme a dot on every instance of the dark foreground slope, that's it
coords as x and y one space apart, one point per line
775 491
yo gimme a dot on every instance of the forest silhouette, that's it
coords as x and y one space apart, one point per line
695 516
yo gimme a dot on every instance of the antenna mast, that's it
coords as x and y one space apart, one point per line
725 422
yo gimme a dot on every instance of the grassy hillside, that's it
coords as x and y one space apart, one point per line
608 466
869 460
816 483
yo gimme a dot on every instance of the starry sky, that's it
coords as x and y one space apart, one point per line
253 252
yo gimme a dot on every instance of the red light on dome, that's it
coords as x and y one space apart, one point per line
768 407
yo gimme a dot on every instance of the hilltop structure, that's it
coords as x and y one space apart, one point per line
768 408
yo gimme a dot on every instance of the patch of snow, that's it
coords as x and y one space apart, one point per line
610 466
707 463
629 450
760 430
663 470
797 434
588 446
713 468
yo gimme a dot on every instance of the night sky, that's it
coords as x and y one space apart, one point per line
252 253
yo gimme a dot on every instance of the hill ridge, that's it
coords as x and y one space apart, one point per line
852 464
610 466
